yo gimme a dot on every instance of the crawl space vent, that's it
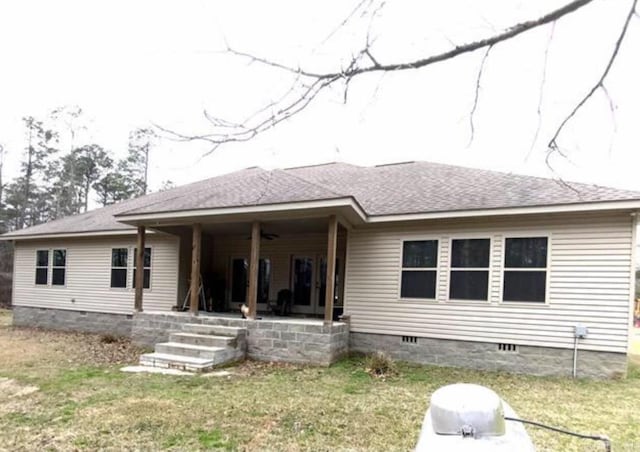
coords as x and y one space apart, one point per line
410 339
507 348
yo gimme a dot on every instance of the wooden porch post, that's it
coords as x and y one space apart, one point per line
331 269
137 304
254 263
196 247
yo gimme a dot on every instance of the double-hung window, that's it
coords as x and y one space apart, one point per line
57 266
119 262
525 269
59 269
42 267
469 278
419 269
147 268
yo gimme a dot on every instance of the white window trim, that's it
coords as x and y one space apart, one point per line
547 269
48 266
111 267
490 237
132 250
66 260
436 268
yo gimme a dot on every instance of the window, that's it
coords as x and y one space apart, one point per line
59 270
469 269
264 280
147 268
419 269
119 259
42 267
525 269
240 280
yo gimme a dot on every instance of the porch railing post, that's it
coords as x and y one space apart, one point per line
331 269
196 247
139 282
253 269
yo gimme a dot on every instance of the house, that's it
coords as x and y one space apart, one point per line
431 263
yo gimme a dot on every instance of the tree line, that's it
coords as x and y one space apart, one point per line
62 173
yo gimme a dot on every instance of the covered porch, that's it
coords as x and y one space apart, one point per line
285 262
276 266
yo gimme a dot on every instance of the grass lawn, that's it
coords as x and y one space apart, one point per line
64 391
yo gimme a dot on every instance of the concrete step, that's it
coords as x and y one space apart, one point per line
170 361
207 340
215 330
195 351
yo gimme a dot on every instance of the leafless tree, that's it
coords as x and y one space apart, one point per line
308 84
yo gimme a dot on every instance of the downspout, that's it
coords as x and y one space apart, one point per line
575 355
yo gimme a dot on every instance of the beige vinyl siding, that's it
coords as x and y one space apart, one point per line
88 275
279 251
588 282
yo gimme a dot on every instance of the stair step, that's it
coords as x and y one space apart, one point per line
215 330
196 351
170 361
207 340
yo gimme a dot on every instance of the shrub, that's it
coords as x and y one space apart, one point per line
380 365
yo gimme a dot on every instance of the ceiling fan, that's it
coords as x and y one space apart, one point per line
266 235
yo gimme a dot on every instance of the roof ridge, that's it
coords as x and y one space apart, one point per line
312 182
179 191
308 166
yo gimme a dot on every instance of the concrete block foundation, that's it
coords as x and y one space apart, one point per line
66 320
487 356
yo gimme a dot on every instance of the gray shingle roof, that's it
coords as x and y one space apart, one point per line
412 187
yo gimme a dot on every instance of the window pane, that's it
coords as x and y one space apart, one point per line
302 281
119 257
469 285
418 284
470 253
118 277
420 253
57 276
524 286
146 278
146 260
264 277
239 280
526 252
42 259
147 257
41 276
59 258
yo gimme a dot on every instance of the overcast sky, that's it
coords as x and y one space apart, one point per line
133 63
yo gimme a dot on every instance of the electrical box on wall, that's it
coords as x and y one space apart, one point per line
581 331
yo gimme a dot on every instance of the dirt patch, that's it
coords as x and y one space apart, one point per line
10 388
37 347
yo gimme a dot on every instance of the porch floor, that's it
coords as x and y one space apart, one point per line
293 319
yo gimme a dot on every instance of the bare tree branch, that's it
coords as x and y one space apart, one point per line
612 110
553 142
477 96
543 82
308 84
359 7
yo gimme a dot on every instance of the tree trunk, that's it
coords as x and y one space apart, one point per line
146 168
86 194
1 165
27 181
